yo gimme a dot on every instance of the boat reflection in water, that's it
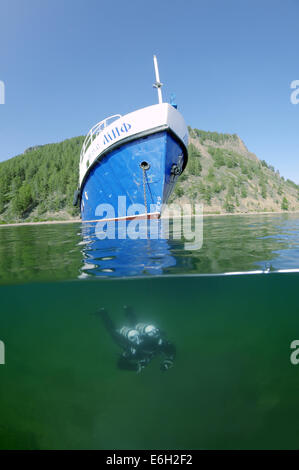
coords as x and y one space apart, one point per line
124 257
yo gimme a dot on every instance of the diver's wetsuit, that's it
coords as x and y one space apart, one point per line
138 357
141 348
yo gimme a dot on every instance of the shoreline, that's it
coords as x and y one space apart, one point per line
44 222
76 221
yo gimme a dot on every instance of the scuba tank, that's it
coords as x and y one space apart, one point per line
130 334
146 329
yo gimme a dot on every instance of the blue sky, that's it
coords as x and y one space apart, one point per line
68 64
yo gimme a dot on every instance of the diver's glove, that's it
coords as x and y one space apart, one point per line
166 364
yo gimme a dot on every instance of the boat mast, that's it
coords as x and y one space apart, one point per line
158 84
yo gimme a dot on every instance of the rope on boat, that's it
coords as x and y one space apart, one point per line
144 166
144 189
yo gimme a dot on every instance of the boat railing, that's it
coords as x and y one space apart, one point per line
95 131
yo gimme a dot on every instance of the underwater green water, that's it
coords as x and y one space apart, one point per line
232 385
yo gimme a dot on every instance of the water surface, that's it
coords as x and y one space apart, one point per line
232 386
72 251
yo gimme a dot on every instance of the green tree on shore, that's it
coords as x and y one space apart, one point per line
285 204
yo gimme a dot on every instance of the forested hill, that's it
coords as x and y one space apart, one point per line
40 183
221 173
224 175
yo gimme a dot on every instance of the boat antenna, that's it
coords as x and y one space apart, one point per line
158 84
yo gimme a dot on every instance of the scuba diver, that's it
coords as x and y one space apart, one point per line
140 342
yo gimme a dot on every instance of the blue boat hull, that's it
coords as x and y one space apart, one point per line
119 173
